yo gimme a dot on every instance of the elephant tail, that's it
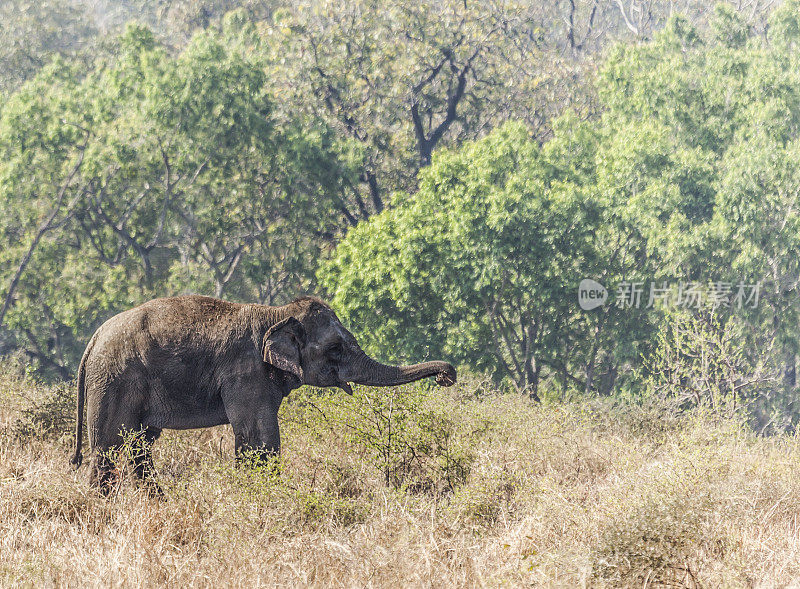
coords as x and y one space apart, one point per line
77 458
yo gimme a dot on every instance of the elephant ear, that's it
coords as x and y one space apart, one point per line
282 344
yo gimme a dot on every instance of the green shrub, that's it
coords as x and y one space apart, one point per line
408 435
702 359
50 414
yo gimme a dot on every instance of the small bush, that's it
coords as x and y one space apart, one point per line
703 359
48 415
411 437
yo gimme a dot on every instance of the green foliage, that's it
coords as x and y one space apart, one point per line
33 33
405 434
156 175
477 260
700 361
730 28
435 81
784 26
689 175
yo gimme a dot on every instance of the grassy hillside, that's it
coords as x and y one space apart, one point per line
437 488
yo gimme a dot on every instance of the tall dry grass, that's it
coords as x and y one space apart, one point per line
410 487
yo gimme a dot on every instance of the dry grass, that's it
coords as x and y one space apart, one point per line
487 491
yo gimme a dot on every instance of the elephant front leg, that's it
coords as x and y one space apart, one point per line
258 442
254 418
142 459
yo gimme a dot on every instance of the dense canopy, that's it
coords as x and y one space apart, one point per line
446 174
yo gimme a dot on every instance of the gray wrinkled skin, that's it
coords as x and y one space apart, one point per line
194 361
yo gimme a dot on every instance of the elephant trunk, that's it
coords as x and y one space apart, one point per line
367 371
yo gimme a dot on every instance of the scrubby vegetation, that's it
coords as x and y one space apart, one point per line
412 485
446 174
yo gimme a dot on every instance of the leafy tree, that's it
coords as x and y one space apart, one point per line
687 176
155 175
482 263
401 79
714 196
405 79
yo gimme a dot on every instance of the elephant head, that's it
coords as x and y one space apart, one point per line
313 346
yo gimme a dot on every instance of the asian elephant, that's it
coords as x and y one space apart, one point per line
195 361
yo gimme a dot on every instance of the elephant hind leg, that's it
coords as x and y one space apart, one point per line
107 465
117 431
103 472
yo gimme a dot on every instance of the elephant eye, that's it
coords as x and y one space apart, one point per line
334 351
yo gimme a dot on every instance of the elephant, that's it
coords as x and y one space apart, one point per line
195 361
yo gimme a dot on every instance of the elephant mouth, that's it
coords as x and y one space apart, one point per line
345 387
